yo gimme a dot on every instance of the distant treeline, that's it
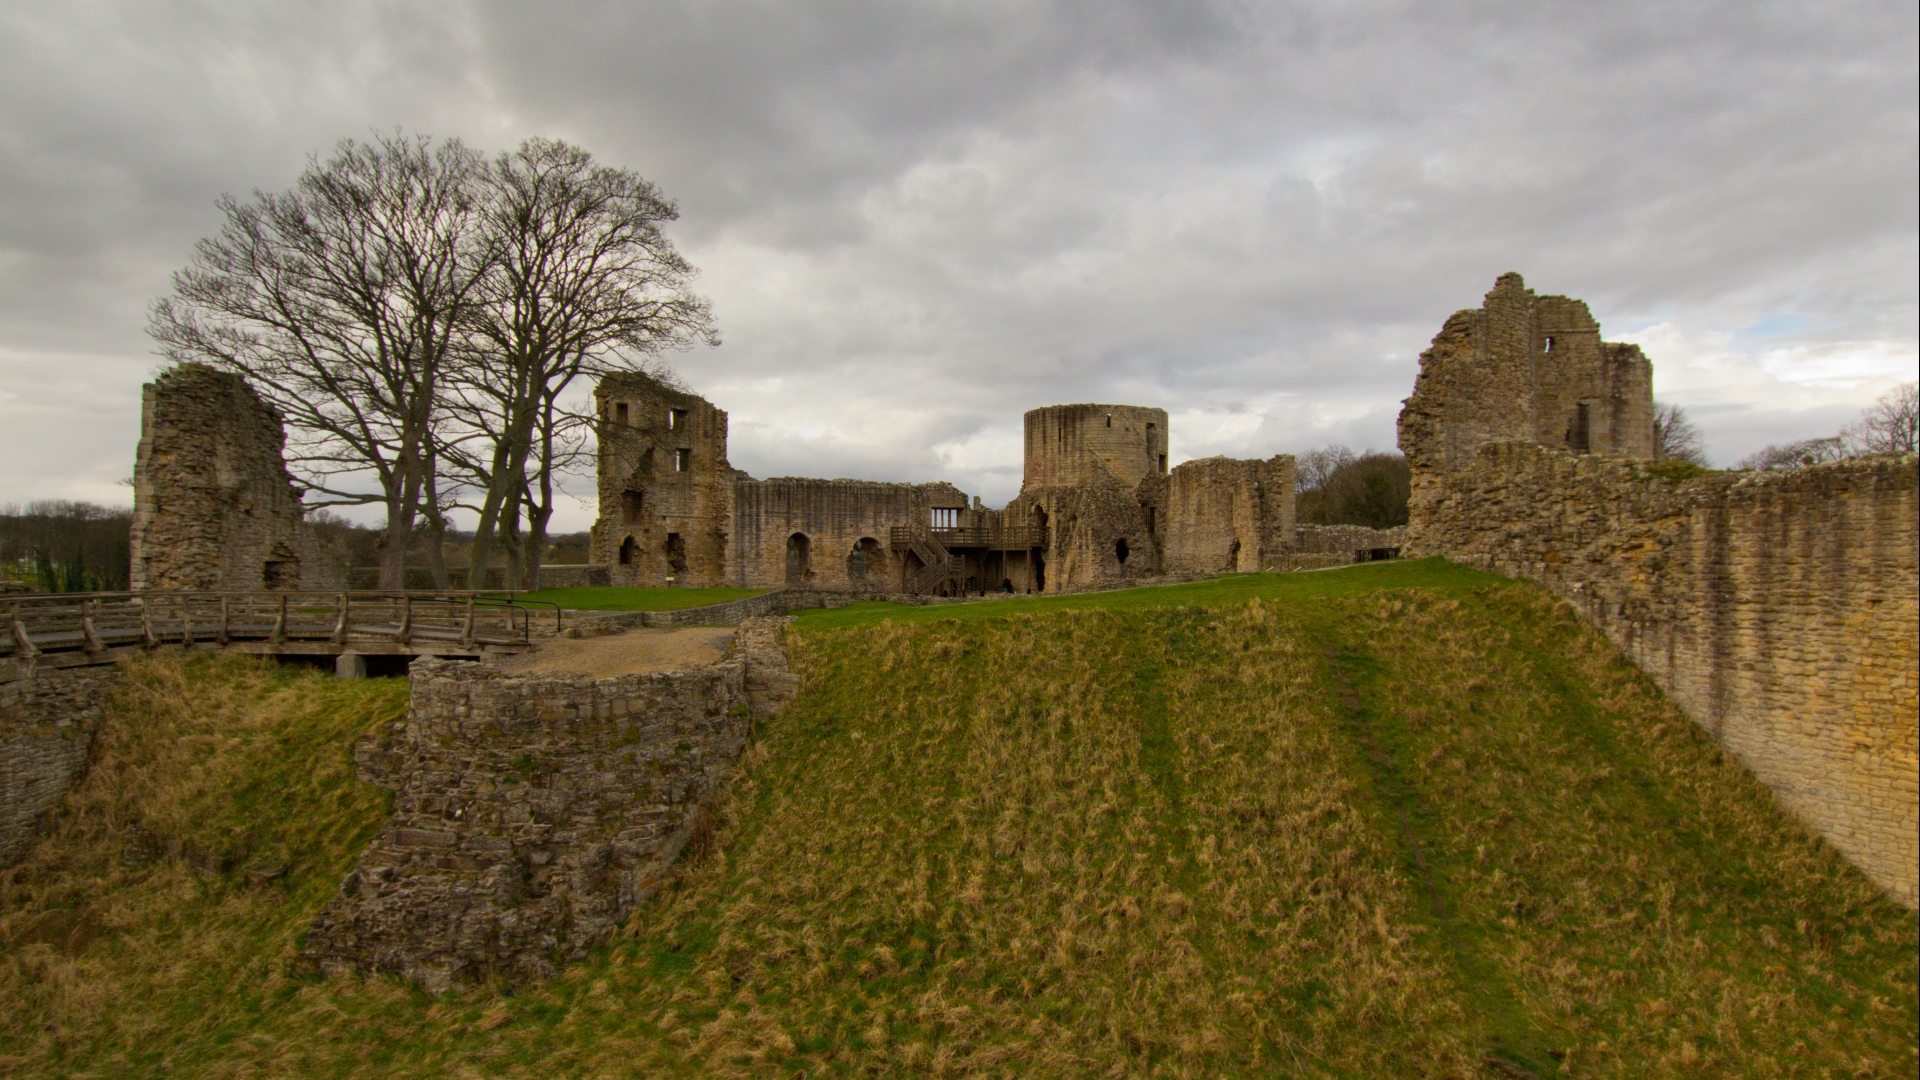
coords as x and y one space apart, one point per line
1338 487
60 546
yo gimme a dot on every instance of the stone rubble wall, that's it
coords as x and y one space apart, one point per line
533 813
213 504
1226 515
47 723
1779 609
1346 539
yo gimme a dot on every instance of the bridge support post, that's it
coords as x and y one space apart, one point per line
350 666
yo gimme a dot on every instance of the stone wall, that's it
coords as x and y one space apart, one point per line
1524 367
1778 609
804 533
213 504
1347 540
1223 514
47 723
1073 445
532 813
665 485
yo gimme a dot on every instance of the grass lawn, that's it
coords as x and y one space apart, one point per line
636 599
1398 820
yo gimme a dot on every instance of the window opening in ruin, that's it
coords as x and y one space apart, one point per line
1580 431
864 559
1233 556
633 503
946 517
1163 463
1109 419
1549 347
1149 520
620 414
682 460
676 553
1120 550
627 549
280 572
676 419
799 558
1039 573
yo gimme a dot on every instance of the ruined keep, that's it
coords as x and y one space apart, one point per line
1097 507
1777 609
213 504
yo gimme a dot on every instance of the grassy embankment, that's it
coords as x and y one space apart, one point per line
1389 821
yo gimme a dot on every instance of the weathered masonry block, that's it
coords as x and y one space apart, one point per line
47 722
532 813
213 504
1779 610
1226 514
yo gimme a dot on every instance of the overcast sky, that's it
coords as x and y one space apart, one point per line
916 221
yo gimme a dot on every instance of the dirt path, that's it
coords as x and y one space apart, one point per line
635 652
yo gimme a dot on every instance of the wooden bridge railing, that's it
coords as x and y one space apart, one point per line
99 622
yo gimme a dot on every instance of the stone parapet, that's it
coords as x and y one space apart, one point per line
532 813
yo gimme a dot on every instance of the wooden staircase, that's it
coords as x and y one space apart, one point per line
936 563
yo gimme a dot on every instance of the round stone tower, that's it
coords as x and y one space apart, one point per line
1073 445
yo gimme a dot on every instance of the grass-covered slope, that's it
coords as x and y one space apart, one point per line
1317 826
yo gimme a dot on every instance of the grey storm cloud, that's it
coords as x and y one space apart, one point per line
917 221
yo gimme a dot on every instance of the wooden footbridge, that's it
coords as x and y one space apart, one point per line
62 630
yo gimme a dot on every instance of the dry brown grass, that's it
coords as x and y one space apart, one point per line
1385 836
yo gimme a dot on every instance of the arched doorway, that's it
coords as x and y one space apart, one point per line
799 558
864 560
628 549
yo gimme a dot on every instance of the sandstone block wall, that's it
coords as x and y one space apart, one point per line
47 723
1524 367
665 485
213 504
1346 540
803 533
1070 445
532 813
1778 609
1224 514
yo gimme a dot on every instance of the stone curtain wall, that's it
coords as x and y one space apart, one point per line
47 723
1778 609
834 515
1225 514
532 813
1346 540
213 504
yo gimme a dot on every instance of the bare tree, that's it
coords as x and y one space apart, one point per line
1889 425
341 302
1675 438
585 283
1793 455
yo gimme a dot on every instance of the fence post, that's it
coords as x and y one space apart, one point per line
92 633
340 624
186 620
406 619
222 637
20 636
280 622
466 630
146 623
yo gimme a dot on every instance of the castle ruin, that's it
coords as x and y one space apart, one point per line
1777 609
214 507
1098 507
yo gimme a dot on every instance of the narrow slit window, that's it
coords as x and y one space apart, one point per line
676 419
1109 419
682 460
620 414
1549 347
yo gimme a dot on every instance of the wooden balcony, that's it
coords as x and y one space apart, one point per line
1013 538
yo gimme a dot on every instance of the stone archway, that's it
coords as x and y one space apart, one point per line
799 559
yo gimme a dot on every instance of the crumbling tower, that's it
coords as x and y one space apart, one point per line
665 484
213 504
